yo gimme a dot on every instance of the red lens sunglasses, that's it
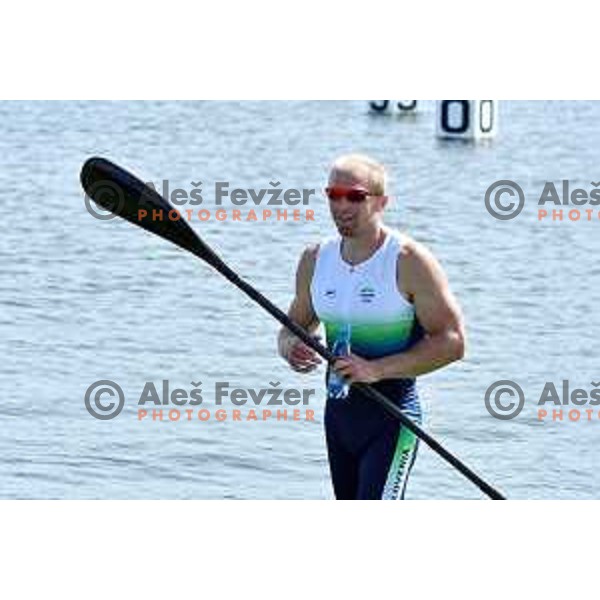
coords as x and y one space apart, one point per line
355 195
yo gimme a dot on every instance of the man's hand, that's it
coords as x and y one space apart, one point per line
301 357
355 369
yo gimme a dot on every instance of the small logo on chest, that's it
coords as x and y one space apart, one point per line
366 293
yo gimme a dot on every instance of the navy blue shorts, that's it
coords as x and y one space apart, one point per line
370 452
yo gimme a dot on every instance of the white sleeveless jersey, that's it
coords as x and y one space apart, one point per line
366 297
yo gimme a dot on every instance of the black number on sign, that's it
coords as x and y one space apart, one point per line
448 110
407 105
486 116
379 105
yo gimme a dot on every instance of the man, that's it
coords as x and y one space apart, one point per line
389 295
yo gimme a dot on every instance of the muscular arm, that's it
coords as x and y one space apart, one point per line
438 313
422 280
301 311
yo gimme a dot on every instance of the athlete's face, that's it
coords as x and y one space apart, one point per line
352 206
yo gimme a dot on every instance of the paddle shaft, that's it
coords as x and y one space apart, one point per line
366 389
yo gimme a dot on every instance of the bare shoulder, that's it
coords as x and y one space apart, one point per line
417 265
306 266
413 251
309 254
308 258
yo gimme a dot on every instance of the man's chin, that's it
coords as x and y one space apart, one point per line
345 230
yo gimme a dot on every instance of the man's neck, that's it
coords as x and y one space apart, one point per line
357 249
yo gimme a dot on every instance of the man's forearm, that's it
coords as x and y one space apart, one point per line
431 353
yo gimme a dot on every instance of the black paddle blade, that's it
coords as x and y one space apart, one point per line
121 193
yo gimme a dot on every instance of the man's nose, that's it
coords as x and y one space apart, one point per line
342 202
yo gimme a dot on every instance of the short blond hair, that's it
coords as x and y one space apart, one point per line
360 164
